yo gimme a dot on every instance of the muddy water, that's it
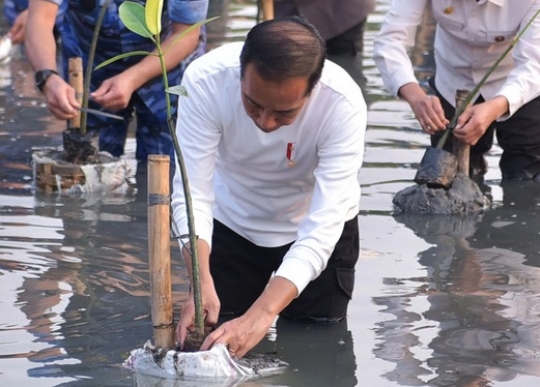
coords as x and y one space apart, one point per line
439 301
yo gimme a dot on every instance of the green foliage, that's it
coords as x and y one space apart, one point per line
153 16
135 18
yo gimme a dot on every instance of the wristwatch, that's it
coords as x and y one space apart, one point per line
41 77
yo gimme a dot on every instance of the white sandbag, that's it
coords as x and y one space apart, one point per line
215 364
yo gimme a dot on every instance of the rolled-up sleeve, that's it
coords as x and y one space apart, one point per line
187 11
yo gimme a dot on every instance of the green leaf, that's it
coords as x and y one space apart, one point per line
122 56
178 90
133 17
154 8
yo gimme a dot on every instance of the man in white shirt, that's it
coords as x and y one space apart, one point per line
470 36
273 138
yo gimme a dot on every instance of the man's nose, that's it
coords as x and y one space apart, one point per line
266 120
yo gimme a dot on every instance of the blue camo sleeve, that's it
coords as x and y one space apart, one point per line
187 11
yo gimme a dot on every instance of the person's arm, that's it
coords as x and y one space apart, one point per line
41 52
16 32
115 93
390 52
243 333
521 85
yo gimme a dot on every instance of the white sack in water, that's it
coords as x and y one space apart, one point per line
112 175
5 48
215 364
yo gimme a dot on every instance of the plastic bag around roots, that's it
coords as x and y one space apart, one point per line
214 366
109 175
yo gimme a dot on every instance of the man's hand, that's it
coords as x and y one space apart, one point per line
61 98
16 32
427 108
243 333
211 307
240 334
474 121
114 93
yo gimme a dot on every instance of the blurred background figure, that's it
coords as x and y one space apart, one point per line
133 88
16 12
340 22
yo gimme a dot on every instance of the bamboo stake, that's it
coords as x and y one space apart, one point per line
460 149
75 70
268 9
159 250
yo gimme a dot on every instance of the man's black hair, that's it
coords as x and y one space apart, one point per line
285 48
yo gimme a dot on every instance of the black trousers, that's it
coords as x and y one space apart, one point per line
519 138
241 271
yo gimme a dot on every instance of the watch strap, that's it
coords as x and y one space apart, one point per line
41 77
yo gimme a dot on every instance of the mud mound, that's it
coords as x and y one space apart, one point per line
463 196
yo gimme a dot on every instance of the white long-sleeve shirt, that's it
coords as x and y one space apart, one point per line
470 36
242 176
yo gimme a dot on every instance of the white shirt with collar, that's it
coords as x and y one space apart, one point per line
253 182
470 36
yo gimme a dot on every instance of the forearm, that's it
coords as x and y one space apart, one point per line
39 41
499 106
411 92
150 67
277 295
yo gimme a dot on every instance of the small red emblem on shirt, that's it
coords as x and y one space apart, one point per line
291 146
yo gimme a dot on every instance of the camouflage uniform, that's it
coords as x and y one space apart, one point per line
12 9
148 102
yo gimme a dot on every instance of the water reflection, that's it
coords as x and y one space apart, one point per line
438 301
480 298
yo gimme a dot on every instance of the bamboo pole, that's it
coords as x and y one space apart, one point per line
75 71
268 9
159 250
460 149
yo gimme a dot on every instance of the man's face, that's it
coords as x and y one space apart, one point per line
271 105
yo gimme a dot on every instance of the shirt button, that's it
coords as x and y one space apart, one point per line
499 38
448 10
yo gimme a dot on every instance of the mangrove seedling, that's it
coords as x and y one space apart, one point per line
146 21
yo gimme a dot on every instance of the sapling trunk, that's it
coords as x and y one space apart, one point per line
195 278
90 64
146 21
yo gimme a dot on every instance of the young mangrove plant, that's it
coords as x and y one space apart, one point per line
146 21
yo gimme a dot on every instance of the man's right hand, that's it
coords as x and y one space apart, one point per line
211 307
61 98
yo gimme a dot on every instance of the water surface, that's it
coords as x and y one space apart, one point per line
439 301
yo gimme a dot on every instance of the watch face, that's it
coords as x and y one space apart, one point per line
41 78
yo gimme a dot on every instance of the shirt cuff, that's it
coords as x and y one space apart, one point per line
515 100
297 271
